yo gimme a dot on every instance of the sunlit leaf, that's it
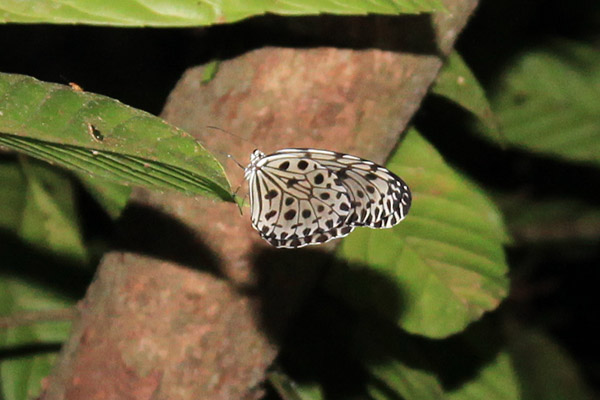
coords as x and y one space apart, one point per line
472 365
457 83
193 12
111 196
21 375
12 195
439 269
49 216
96 135
481 363
39 208
549 101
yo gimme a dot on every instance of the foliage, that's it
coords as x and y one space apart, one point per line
31 193
445 264
94 134
410 312
192 12
548 101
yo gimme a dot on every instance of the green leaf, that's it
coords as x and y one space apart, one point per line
96 135
39 207
457 83
479 364
495 380
12 195
111 196
20 377
547 372
210 71
193 12
473 365
439 269
49 216
549 101
392 375
493 359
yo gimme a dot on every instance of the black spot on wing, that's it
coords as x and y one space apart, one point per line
346 230
302 165
289 215
319 178
291 182
271 194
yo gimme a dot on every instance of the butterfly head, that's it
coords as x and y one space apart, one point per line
255 157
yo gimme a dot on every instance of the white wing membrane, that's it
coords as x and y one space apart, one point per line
306 196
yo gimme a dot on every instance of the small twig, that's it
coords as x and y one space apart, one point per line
27 318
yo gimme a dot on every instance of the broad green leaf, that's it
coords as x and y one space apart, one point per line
49 216
479 364
457 83
549 101
39 208
111 196
20 377
473 365
96 135
12 195
492 359
392 375
439 269
495 380
193 12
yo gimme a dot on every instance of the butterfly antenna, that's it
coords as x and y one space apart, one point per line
227 132
235 161
234 135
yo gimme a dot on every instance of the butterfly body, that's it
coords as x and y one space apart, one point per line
300 197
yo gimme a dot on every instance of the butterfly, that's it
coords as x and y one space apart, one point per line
301 197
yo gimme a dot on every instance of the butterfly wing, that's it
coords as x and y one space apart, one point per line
317 238
378 197
296 201
308 196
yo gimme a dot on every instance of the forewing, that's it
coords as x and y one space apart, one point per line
379 198
295 200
